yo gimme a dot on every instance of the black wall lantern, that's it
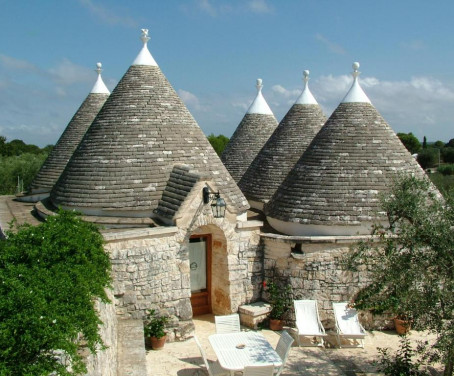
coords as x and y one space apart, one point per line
217 202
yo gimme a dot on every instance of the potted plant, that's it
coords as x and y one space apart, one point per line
389 303
154 328
280 299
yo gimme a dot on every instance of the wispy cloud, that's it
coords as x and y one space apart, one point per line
215 8
333 47
286 93
16 64
207 7
67 73
259 6
414 45
107 15
191 100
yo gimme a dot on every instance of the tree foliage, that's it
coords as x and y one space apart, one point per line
218 142
410 142
49 277
19 163
429 157
412 267
23 167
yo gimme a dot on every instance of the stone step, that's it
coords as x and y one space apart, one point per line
131 348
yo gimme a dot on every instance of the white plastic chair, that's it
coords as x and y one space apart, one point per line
308 321
227 323
347 324
283 349
213 368
267 370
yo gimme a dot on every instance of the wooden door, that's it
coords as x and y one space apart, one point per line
200 273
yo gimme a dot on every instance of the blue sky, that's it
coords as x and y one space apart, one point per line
212 52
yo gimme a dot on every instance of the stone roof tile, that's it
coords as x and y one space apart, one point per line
125 159
349 163
282 150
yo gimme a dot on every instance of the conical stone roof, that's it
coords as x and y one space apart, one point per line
283 149
251 134
56 162
124 161
334 187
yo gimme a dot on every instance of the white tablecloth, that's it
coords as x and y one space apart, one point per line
257 350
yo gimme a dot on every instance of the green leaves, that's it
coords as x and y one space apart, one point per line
49 276
412 267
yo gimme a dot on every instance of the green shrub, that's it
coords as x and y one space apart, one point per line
446 169
404 362
428 157
50 275
24 167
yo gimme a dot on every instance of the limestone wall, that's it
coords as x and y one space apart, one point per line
151 268
104 362
316 272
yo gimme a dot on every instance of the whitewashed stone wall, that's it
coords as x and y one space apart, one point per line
104 363
317 273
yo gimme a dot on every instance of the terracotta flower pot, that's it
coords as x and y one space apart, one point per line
158 343
276 324
402 326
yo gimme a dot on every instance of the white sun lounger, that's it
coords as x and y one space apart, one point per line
347 324
308 321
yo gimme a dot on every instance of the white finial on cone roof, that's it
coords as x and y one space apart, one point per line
356 93
306 96
99 86
259 105
144 57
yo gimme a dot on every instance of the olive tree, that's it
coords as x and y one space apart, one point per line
412 265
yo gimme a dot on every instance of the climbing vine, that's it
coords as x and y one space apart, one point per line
49 277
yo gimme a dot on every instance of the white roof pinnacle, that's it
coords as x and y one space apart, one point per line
144 57
259 105
356 93
99 86
306 96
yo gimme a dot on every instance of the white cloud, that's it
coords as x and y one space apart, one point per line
16 64
333 47
259 6
107 15
191 100
207 7
215 8
68 73
414 45
279 89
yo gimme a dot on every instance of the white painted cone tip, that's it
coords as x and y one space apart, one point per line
356 94
259 105
306 96
99 87
144 57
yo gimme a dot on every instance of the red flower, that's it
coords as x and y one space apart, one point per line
264 283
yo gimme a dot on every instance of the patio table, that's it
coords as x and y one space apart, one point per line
240 349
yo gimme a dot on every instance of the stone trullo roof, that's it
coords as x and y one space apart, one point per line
333 188
282 150
55 163
123 163
251 134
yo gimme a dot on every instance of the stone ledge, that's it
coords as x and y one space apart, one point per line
253 314
139 233
247 225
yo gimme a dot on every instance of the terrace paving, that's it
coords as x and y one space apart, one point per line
183 358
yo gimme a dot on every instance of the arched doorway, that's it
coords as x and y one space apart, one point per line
200 273
209 271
